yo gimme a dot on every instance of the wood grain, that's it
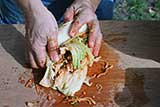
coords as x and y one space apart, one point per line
110 83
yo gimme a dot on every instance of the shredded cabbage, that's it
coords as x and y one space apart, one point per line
79 51
59 77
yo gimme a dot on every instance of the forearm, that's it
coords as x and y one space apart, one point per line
31 6
93 4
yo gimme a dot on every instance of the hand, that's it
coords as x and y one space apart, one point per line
82 11
41 37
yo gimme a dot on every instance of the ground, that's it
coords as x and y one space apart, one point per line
137 10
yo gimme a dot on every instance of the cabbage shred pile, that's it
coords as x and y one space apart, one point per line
79 50
69 73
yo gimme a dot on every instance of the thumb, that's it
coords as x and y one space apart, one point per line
52 49
69 14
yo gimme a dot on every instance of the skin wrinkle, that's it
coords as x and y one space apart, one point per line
85 14
38 57
91 4
97 39
52 44
92 40
97 48
34 52
70 16
41 24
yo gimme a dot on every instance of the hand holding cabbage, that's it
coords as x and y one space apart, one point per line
41 28
83 11
69 73
41 33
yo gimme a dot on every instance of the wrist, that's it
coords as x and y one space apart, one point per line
94 4
91 4
34 8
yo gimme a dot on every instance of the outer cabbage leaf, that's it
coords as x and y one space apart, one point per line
69 82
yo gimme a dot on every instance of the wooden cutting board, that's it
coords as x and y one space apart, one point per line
102 91
137 58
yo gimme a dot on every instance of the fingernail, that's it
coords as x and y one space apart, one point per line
95 53
52 44
67 19
76 23
91 44
55 58
42 63
72 33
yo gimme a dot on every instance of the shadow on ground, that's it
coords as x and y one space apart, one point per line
13 42
141 88
38 75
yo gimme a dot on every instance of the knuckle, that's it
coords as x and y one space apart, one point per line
82 18
51 49
34 47
92 37
97 45
52 44
98 41
77 24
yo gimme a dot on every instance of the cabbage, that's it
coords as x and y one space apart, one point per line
64 29
60 78
79 51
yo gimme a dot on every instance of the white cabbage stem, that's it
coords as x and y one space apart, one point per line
66 82
63 32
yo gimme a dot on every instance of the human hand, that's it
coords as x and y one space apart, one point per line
41 36
83 11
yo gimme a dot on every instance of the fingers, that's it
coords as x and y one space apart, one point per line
39 28
92 35
52 44
37 56
95 37
52 49
40 56
97 45
77 24
32 60
37 48
81 17
69 14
